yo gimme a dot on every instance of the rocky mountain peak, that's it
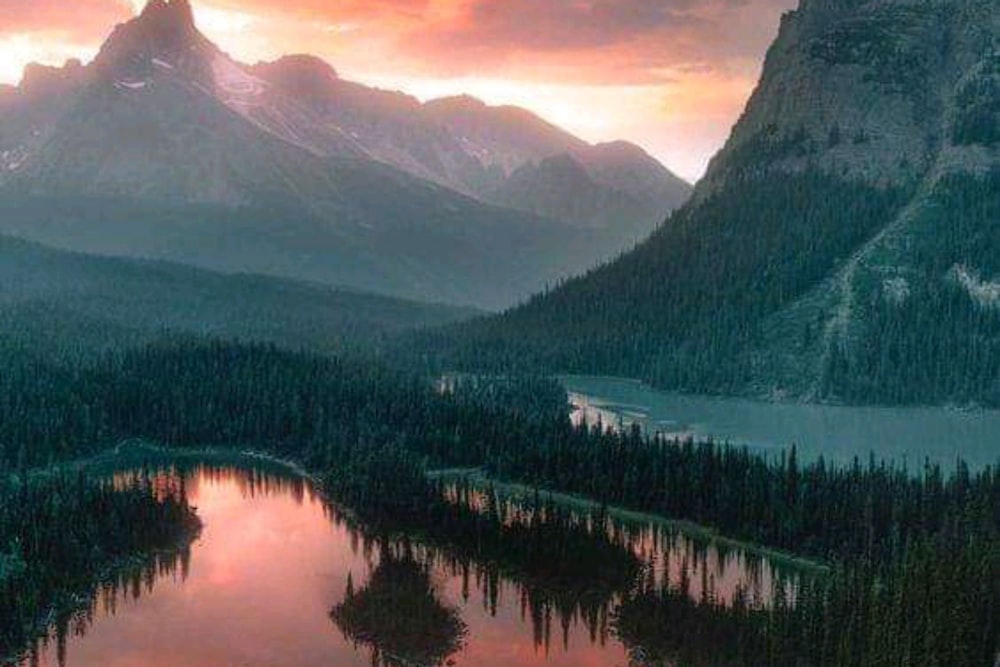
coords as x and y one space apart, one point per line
168 17
40 80
305 76
165 31
861 88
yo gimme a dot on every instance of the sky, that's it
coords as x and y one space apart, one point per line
669 75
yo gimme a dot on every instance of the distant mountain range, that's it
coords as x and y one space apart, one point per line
165 147
55 303
844 245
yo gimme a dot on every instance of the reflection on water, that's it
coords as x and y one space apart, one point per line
278 578
398 615
904 435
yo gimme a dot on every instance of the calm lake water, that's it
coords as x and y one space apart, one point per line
908 435
278 578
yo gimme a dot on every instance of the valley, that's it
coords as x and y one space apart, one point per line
298 370
166 148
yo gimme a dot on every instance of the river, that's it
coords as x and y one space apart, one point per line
838 433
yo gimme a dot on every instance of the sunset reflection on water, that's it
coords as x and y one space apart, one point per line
273 560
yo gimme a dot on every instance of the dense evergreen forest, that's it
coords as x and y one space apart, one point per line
941 342
910 551
756 273
54 303
60 532
677 310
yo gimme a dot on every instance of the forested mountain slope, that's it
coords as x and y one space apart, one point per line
55 303
844 246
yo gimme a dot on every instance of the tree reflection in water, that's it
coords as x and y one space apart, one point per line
398 615
423 586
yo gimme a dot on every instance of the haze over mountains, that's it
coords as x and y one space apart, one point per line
164 147
844 245
55 303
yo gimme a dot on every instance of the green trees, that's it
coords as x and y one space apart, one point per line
678 310
914 555
941 341
735 293
57 533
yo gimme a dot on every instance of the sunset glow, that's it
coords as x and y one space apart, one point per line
671 75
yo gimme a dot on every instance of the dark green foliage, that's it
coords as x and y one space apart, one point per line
398 616
768 146
978 114
810 510
312 408
937 605
57 533
677 310
56 303
888 42
941 342
913 556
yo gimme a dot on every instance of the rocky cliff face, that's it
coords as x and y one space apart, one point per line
897 94
866 89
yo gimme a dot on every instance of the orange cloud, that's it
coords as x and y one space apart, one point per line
86 22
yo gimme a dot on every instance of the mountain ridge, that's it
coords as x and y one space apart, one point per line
56 302
467 145
163 119
842 247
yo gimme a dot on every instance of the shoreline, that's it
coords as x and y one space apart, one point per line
142 451
695 531
771 400
72 601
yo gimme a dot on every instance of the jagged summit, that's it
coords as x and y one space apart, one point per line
305 76
302 66
329 179
169 15
164 32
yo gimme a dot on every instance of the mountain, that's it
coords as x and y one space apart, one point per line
484 151
843 246
608 184
634 191
57 302
166 148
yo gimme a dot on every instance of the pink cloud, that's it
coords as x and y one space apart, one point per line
83 21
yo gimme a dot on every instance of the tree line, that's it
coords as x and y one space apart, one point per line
892 537
695 308
60 531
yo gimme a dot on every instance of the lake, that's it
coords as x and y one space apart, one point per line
280 578
838 433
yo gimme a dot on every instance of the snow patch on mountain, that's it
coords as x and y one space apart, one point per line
131 85
896 290
12 159
985 293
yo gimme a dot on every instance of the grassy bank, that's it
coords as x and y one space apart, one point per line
697 532
138 453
